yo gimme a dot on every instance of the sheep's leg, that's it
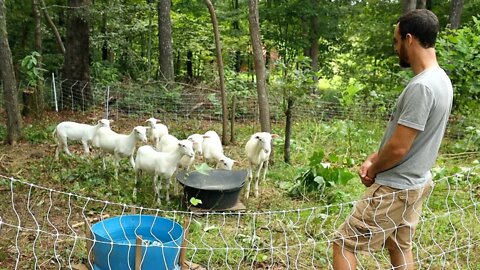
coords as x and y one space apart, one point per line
250 175
132 161
116 160
265 169
257 178
65 146
104 162
158 187
137 176
57 151
167 196
86 149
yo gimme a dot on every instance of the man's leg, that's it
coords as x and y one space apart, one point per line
343 259
400 259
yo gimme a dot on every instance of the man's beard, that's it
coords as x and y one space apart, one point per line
403 57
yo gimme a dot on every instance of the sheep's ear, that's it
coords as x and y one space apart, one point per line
274 136
234 161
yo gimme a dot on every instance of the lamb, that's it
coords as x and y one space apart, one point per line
156 131
197 141
163 164
76 131
213 151
168 143
258 150
120 145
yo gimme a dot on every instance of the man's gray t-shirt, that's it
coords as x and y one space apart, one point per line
424 105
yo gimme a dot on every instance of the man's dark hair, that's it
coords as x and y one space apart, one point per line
422 24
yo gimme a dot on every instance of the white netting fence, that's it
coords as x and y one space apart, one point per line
177 100
42 228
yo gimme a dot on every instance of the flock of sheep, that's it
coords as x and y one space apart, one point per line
167 154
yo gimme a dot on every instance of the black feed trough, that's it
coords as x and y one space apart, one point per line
217 189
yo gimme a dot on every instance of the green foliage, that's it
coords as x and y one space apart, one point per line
459 55
104 73
295 80
32 69
323 177
38 134
194 201
469 141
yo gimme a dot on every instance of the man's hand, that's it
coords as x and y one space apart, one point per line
363 173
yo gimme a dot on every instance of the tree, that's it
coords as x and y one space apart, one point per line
165 58
257 47
76 92
33 93
221 75
409 5
52 26
7 76
456 14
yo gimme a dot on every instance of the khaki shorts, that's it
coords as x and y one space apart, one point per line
383 212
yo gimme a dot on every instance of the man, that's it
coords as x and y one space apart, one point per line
398 177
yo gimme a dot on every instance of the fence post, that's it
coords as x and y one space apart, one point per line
106 101
54 92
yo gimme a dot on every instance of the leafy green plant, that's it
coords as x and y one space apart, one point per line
322 177
459 54
31 68
38 134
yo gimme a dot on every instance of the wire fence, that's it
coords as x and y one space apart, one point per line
42 228
187 101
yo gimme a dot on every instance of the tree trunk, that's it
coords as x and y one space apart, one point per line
221 75
53 27
456 14
190 65
254 26
76 91
165 58
409 5
288 130
236 27
421 4
33 96
313 50
7 76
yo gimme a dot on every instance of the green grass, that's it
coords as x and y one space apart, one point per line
297 228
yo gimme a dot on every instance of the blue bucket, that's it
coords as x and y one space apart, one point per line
115 243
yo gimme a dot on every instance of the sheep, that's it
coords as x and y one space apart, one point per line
76 131
168 143
120 145
156 131
197 141
163 164
213 151
258 149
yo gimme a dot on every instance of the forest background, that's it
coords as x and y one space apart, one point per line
340 51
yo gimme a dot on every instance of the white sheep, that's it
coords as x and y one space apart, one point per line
213 151
163 164
78 132
168 143
156 131
258 149
197 141
120 145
